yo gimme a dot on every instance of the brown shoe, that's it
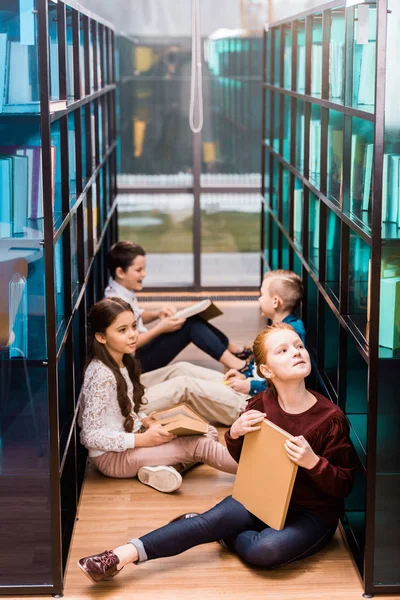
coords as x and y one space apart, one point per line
100 567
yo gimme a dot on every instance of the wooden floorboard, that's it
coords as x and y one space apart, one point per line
113 511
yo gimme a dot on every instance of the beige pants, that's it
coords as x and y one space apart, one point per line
184 451
201 388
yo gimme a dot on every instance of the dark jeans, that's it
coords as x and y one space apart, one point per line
253 541
162 349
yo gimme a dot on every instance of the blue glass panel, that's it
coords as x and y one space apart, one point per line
335 156
301 57
315 145
56 172
84 163
101 131
285 198
92 26
53 52
74 256
25 496
267 116
276 139
71 159
298 199
313 231
275 185
362 151
285 253
81 58
70 56
333 253
59 282
19 91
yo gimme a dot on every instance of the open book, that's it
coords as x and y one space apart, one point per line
266 475
182 420
205 309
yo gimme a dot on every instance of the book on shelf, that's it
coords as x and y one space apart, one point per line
182 420
266 475
206 309
6 183
368 177
389 313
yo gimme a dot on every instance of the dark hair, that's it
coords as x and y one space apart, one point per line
287 285
122 254
260 354
101 316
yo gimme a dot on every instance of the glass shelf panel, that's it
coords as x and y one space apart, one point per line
312 319
285 253
277 110
360 254
297 265
286 127
313 231
333 253
71 159
53 52
75 284
268 57
267 234
274 263
337 55
301 57
299 150
361 163
59 283
70 55
335 156
19 91
363 96
285 198
287 60
389 307
275 185
298 199
316 56
331 347
277 56
268 117
315 145
82 58
56 170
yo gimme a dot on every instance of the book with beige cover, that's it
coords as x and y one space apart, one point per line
206 309
182 420
266 475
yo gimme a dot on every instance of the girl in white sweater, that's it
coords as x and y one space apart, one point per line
122 442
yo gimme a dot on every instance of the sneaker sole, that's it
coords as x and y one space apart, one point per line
162 481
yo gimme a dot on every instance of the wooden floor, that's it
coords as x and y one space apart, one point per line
114 511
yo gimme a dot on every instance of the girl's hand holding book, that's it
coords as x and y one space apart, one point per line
154 436
246 423
300 452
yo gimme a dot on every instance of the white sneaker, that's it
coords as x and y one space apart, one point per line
163 479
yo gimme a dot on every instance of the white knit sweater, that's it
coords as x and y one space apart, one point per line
100 418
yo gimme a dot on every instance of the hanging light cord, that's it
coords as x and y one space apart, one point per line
196 82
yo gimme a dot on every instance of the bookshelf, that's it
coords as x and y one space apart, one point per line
57 219
330 152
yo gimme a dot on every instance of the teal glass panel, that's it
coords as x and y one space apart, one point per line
84 157
285 198
275 186
267 197
56 180
285 253
82 58
311 324
315 146
361 183
71 159
356 398
286 127
287 59
267 116
316 56
277 109
274 246
19 91
21 206
298 199
277 56
335 156
301 57
331 348
299 154
364 55
74 255
53 52
333 254
313 231
360 254
267 235
268 57
389 307
59 285
70 55
337 55
101 132
92 33
297 265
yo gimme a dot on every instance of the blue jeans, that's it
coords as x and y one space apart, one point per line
253 541
161 350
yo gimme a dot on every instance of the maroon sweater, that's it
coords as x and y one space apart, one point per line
321 489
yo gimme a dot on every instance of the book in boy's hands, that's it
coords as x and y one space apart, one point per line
206 309
182 420
266 475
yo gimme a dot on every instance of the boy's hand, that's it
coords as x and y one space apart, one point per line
167 311
300 452
169 324
246 423
233 373
239 384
